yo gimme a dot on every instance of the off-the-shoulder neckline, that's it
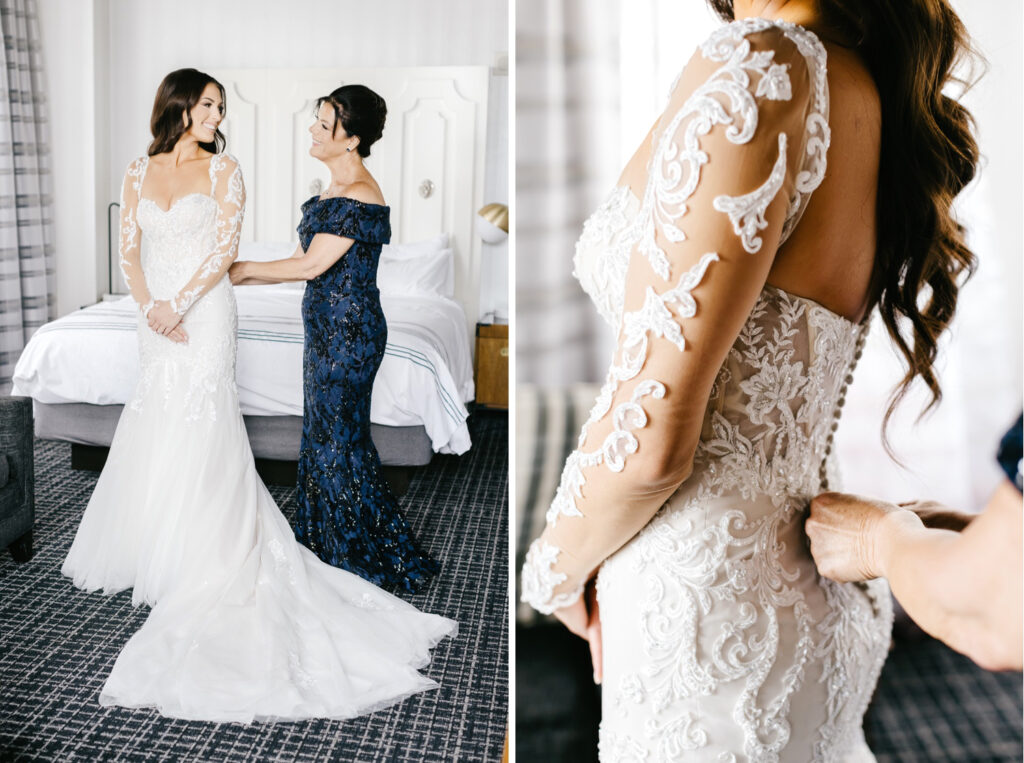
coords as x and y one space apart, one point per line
345 198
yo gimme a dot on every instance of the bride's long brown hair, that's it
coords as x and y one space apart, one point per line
928 155
177 95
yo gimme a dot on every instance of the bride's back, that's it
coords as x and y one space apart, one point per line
829 256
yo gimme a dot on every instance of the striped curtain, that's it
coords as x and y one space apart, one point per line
27 280
567 160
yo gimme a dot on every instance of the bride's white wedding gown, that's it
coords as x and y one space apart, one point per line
721 641
246 623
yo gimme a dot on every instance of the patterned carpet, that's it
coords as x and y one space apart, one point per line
934 705
57 644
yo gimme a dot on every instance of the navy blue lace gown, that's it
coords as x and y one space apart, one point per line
346 513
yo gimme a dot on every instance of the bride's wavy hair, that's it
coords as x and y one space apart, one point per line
929 153
178 93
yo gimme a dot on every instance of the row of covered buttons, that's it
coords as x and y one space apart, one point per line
862 334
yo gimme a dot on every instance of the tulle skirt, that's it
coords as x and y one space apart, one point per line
246 624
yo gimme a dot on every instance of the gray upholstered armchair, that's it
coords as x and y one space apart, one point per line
17 478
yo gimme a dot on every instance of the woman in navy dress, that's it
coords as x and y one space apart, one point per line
346 513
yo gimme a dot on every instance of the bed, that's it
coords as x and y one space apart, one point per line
81 368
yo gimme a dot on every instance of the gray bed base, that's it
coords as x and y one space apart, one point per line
274 438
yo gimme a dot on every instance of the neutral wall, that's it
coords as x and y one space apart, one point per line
149 38
105 59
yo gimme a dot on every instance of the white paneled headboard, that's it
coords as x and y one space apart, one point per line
435 131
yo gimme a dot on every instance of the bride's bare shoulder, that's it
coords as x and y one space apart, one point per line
851 85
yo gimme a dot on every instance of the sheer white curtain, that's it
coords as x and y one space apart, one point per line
657 38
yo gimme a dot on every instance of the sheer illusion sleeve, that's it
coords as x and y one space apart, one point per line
229 193
129 255
724 179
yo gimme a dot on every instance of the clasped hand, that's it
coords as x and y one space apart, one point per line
163 320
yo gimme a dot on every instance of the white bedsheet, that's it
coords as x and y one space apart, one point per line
426 377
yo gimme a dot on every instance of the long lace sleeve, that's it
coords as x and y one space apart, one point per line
733 156
229 193
129 255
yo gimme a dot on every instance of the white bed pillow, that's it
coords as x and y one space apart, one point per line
415 249
417 269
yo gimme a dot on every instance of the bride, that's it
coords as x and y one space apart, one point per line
741 301
246 624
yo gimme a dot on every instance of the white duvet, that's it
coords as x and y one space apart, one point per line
91 356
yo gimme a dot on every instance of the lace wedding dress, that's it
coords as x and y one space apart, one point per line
721 641
246 623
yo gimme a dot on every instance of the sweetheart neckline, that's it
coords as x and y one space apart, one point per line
177 202
808 300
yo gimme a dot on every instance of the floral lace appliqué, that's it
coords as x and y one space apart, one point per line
747 212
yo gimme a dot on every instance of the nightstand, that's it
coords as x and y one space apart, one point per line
491 368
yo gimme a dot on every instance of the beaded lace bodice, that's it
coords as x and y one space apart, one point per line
778 397
182 254
176 240
725 603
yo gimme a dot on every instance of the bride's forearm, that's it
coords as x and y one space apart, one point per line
621 505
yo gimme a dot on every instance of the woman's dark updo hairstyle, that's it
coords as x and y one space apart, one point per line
179 92
928 155
360 111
